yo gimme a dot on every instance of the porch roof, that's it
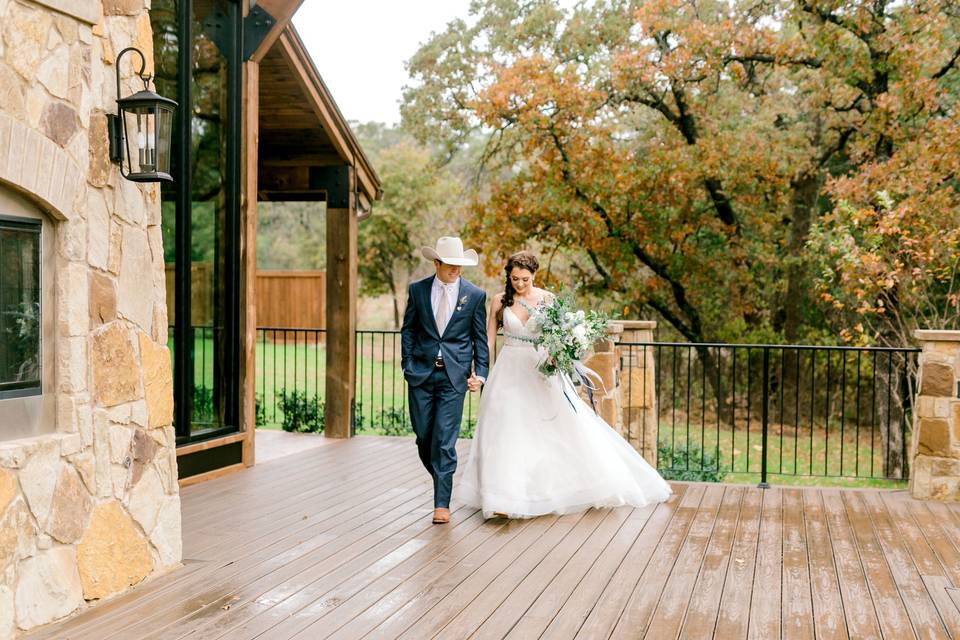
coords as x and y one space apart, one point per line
301 128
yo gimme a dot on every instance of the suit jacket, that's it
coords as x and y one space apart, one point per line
464 340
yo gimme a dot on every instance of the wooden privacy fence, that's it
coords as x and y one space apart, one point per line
286 299
291 299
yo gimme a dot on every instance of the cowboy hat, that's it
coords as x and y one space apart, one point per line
450 251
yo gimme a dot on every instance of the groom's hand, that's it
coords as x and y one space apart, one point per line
474 383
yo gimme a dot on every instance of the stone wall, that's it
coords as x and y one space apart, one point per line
93 508
935 449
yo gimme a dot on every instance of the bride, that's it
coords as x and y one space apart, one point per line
534 452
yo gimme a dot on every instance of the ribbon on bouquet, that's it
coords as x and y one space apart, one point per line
582 375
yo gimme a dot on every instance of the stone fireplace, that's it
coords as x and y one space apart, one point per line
89 500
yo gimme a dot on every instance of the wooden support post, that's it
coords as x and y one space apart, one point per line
248 259
341 306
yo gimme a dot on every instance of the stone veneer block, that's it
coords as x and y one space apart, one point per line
936 380
157 382
39 479
116 374
113 554
135 284
71 507
48 587
166 535
8 489
934 437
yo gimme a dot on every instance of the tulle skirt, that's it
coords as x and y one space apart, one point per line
538 451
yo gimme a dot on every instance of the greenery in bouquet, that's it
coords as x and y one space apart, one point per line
565 333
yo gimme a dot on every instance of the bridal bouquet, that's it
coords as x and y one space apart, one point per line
566 334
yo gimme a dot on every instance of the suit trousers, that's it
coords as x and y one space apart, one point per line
436 409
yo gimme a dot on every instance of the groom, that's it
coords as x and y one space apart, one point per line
443 334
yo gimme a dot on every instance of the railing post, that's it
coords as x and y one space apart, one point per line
766 418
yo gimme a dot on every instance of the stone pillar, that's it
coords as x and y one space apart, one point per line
638 387
935 446
606 362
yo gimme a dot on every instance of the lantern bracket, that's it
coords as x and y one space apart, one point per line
114 126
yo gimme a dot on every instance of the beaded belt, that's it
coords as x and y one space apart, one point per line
528 340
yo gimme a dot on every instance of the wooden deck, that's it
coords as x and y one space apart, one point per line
336 542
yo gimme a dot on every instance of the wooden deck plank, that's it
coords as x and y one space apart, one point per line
888 603
356 595
464 594
858 606
207 600
668 616
420 598
365 611
939 589
704 607
766 603
639 608
945 547
287 611
570 618
797 607
828 616
337 542
615 595
286 584
734 618
552 599
513 607
923 614
298 534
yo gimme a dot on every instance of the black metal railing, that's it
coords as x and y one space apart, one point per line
719 411
290 378
745 412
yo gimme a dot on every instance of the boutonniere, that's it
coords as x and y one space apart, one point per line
462 301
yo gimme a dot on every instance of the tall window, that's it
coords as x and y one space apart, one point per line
197 56
20 327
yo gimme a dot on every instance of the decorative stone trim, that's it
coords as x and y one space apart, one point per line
84 10
34 165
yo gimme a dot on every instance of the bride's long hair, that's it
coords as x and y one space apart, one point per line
522 260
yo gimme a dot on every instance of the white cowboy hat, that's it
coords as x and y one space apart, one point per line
450 251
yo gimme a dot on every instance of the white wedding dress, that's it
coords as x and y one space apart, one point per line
534 454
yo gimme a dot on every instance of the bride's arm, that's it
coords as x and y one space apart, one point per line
496 302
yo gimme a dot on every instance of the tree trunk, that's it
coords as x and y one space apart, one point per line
806 190
892 412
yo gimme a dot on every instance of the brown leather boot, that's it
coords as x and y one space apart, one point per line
441 515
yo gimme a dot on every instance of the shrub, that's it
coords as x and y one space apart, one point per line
690 463
260 410
301 413
202 404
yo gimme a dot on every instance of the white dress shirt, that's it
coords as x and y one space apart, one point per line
453 291
453 294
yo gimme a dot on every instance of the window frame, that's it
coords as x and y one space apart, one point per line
25 415
31 388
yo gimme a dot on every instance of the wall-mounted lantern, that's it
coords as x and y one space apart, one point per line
142 131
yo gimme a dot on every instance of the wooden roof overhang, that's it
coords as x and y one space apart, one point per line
302 133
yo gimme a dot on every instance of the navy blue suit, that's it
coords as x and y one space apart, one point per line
436 394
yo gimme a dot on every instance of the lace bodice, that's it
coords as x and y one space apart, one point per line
516 333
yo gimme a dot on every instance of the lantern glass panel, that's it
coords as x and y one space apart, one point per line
140 144
164 138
